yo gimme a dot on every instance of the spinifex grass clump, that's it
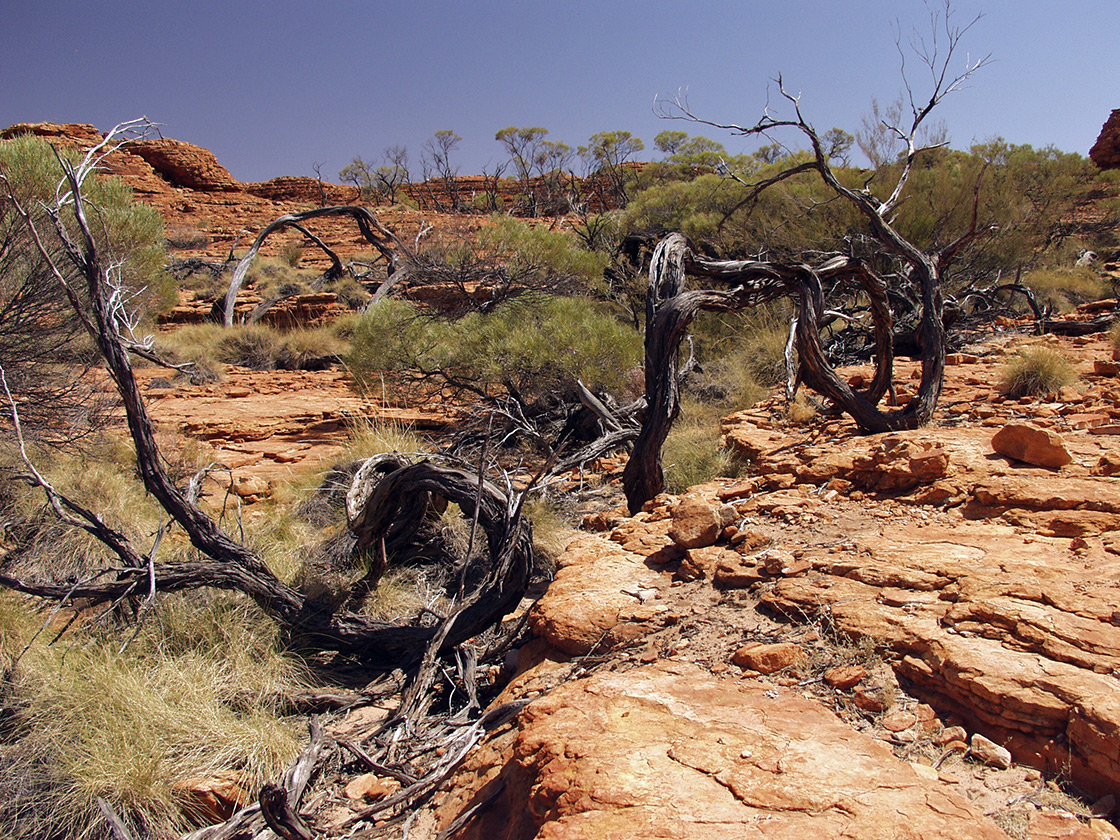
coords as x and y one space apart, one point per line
693 452
199 692
1036 370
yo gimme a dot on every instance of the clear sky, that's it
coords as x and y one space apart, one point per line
276 86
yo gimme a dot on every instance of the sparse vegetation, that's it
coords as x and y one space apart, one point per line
693 452
201 690
255 346
1061 289
1037 370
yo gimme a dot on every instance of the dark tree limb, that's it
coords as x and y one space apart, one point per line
228 563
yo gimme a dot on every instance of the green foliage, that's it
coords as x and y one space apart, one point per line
607 155
535 344
546 254
43 348
1027 203
376 182
1034 371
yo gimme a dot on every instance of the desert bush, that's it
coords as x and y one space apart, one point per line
741 355
1036 370
536 345
291 252
1061 289
186 237
44 350
548 254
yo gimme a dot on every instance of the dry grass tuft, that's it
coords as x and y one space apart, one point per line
693 452
198 692
1035 370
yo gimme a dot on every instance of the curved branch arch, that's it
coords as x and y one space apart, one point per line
380 237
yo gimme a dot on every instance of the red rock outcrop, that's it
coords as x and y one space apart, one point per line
1106 151
184 164
668 751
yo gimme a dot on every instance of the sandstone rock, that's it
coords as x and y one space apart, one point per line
843 677
1106 151
667 751
952 733
898 721
989 752
702 563
1104 829
249 485
925 771
696 523
369 787
870 699
766 659
1025 442
81 135
208 801
1104 807
736 572
584 605
1051 824
185 165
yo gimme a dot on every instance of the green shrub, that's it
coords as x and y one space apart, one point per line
1036 370
537 344
547 253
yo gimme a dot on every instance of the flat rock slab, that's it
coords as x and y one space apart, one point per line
669 751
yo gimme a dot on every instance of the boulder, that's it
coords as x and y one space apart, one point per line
766 659
696 523
214 799
1028 443
667 751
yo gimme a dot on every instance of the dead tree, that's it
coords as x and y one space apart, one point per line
670 307
396 254
225 562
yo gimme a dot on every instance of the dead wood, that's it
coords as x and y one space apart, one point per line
227 563
396 254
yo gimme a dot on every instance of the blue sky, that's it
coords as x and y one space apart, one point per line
275 87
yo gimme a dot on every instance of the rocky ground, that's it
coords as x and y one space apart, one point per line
903 635
913 635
